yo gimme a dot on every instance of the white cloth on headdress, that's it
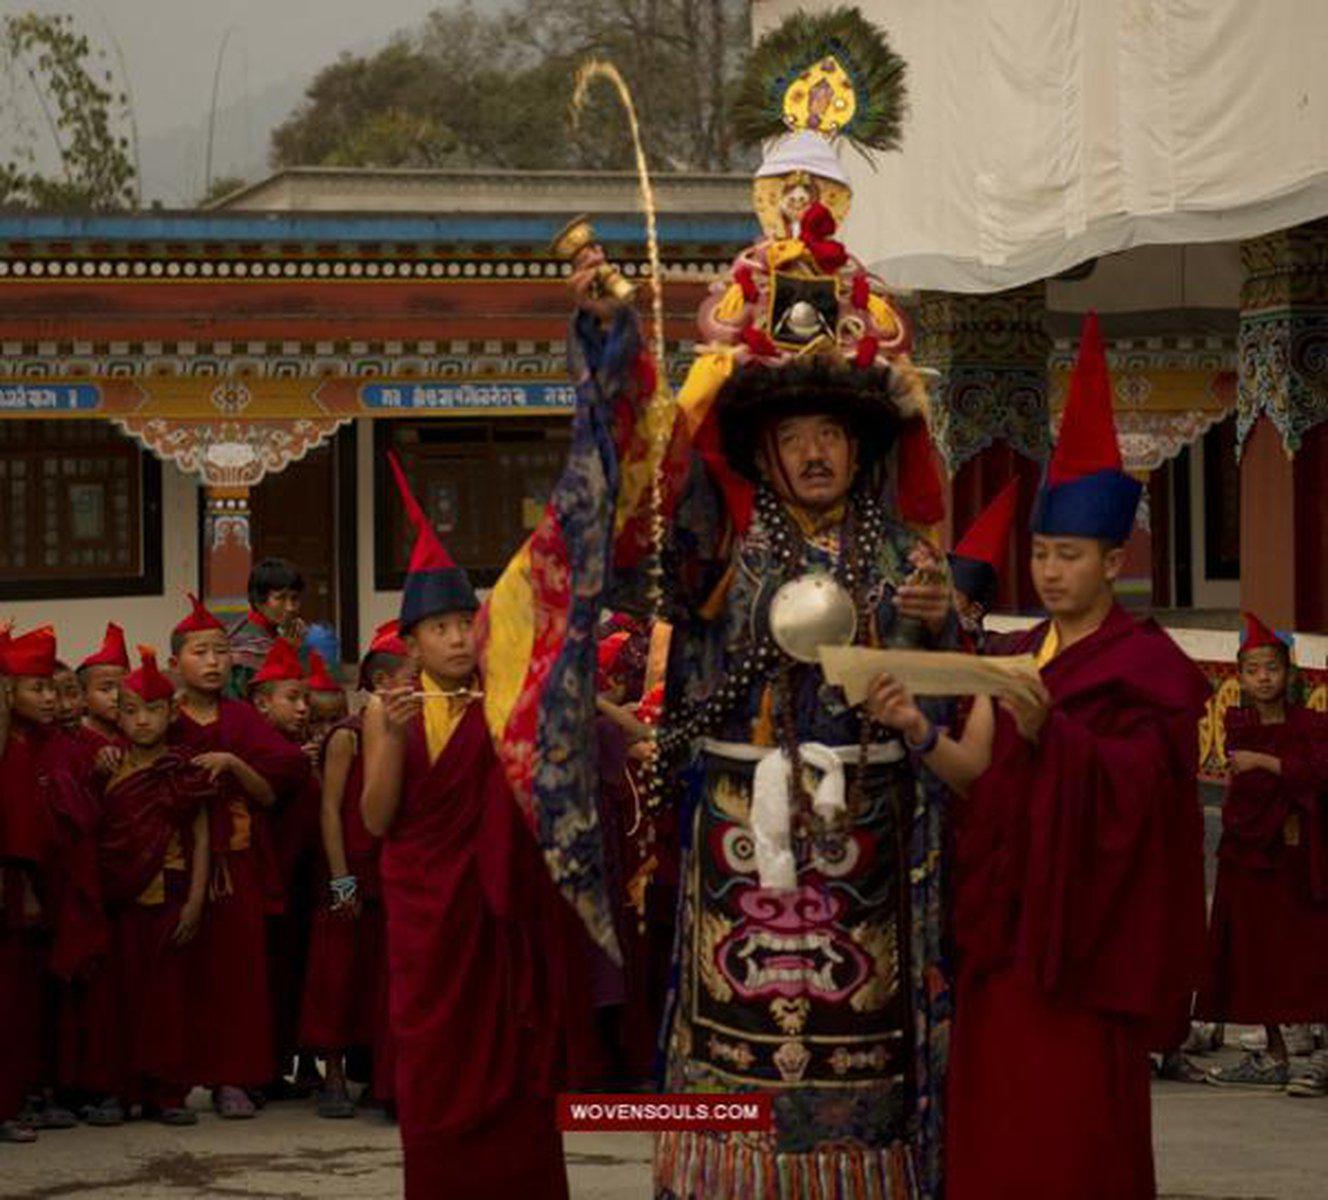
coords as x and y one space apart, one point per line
802 151
771 811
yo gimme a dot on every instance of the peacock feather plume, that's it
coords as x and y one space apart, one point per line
833 72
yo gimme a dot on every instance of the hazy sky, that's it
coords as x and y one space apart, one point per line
170 50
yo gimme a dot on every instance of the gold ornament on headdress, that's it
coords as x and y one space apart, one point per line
821 99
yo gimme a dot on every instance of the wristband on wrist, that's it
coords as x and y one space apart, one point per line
928 743
343 888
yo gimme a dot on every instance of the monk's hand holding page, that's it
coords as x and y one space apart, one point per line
1029 703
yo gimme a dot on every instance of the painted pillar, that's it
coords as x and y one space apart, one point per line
227 549
1282 427
990 407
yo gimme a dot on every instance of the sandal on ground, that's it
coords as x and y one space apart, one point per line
48 1116
17 1132
1255 1072
335 1105
105 1113
1312 1082
232 1104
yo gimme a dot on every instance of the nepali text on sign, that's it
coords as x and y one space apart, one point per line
467 395
49 397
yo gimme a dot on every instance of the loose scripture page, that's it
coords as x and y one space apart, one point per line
925 672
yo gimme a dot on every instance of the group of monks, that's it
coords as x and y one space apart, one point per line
188 894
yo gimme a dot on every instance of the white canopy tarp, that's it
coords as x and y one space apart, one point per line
1046 132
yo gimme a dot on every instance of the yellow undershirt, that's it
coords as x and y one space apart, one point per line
442 715
1051 646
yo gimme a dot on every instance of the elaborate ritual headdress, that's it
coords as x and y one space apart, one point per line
434 583
1086 492
799 325
113 651
975 563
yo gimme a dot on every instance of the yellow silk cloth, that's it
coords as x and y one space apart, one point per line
1051 646
442 714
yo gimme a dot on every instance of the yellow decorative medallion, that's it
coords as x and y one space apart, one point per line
821 98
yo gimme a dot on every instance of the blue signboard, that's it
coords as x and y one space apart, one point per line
433 396
38 397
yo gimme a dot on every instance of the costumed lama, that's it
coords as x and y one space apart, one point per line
798 477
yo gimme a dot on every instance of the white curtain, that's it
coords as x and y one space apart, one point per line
1045 132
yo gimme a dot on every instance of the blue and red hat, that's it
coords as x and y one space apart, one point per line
434 583
1086 492
976 562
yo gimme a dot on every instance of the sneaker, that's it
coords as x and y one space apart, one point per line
105 1113
1255 1071
17 1132
48 1116
1299 1039
232 1104
335 1104
1179 1069
1313 1080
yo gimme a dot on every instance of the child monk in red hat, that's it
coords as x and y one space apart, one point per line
154 870
251 763
1268 934
100 675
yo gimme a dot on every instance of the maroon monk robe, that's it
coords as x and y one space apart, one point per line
1078 916
345 987
481 947
293 821
232 1013
26 834
1268 937
146 848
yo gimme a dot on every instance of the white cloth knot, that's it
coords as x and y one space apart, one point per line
771 815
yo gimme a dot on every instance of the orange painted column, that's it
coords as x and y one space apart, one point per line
227 549
1282 420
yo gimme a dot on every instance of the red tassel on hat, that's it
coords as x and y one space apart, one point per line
148 681
113 652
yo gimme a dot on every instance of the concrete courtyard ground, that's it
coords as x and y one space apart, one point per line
1212 1144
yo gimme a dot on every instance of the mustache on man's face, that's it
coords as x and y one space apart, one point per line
816 468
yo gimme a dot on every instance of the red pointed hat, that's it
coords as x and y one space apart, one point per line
113 652
976 562
1086 493
434 583
1256 635
32 654
148 681
199 620
280 665
387 639
320 679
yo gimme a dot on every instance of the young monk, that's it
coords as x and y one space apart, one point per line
154 870
476 943
251 763
1268 936
56 817
69 704
281 696
100 675
328 702
976 563
345 988
1078 871
25 838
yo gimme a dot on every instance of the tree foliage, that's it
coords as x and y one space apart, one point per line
472 90
92 168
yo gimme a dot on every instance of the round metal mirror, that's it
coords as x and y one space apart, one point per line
809 612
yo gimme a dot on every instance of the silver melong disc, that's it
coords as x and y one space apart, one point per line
809 612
